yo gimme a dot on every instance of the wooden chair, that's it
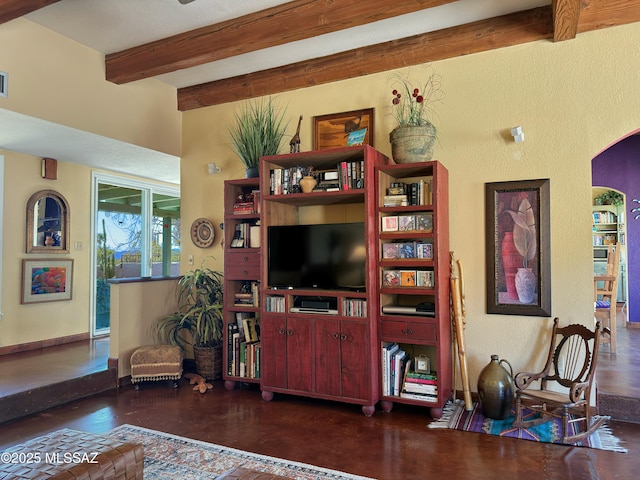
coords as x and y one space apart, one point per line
571 364
605 289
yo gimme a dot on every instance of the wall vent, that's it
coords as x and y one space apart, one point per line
4 79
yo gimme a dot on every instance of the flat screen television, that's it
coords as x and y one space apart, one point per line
327 256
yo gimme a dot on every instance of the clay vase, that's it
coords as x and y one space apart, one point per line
525 285
307 184
511 260
496 389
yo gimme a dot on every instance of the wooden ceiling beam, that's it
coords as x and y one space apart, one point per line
10 9
566 14
480 36
278 25
597 14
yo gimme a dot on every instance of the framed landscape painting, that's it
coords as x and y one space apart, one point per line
518 244
46 280
340 129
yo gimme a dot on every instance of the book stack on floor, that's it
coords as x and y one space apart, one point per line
399 380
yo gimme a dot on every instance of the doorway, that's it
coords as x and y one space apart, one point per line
136 233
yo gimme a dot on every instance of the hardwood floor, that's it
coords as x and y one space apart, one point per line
396 445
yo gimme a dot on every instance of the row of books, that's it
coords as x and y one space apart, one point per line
398 380
249 294
246 235
248 204
346 176
422 222
418 249
415 193
604 217
408 278
243 347
274 304
354 307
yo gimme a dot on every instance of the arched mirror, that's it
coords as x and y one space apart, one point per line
47 223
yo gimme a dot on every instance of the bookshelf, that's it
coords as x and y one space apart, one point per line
413 285
242 346
332 354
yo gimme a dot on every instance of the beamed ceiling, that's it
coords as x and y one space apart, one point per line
258 42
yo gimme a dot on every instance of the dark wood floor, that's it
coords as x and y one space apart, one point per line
396 445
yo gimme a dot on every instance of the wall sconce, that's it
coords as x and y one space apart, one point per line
517 134
213 169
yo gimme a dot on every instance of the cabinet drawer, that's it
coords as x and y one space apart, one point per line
239 259
410 331
243 272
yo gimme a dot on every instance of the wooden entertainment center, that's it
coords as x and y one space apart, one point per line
329 343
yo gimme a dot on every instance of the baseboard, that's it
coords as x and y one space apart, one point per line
49 342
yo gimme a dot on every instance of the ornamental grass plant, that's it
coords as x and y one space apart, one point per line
413 101
258 130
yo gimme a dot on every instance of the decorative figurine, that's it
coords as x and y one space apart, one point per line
294 144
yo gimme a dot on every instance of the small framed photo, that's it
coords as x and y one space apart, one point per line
408 278
422 364
46 280
334 130
407 250
424 222
390 224
406 223
390 250
424 250
391 278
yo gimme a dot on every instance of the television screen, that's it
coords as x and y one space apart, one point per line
328 256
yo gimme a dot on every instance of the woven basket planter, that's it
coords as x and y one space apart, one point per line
411 143
208 362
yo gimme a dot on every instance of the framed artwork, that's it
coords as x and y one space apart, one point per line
343 129
46 280
518 248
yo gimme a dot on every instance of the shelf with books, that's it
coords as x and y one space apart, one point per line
242 244
413 282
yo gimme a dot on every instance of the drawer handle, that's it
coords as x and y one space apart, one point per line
245 259
343 337
281 331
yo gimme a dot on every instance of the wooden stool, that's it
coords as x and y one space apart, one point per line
156 362
69 455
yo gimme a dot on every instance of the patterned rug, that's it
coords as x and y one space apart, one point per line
170 457
456 417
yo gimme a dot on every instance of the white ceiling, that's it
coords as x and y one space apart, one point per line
110 26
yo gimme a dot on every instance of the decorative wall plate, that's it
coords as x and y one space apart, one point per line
202 233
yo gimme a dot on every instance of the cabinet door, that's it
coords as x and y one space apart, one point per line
299 354
273 361
355 360
327 357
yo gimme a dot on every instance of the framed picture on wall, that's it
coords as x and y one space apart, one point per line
46 280
518 248
343 129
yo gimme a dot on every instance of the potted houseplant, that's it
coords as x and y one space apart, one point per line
198 321
610 197
413 138
257 131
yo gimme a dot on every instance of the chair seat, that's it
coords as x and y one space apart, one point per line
545 396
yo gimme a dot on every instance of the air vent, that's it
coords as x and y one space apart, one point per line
4 79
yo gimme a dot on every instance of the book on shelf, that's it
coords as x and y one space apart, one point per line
424 250
407 250
391 278
424 278
395 200
406 223
390 250
424 222
411 387
390 223
422 397
407 278
250 329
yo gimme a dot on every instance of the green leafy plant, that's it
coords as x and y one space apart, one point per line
413 101
258 130
199 314
610 197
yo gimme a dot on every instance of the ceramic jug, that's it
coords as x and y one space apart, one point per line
496 389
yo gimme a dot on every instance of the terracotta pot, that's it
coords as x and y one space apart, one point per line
411 143
496 389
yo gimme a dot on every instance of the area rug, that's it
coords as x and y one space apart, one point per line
456 417
170 457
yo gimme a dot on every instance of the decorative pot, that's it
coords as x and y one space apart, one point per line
525 285
307 184
252 172
511 260
208 362
496 389
412 143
